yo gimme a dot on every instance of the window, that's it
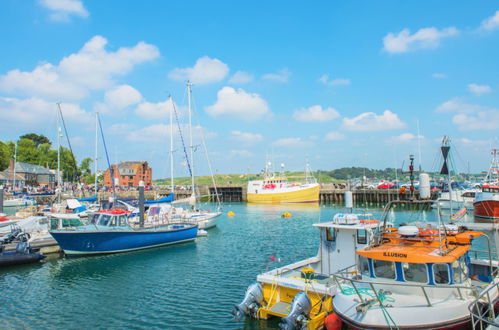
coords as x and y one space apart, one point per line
331 234
361 236
364 266
122 220
459 270
441 273
104 220
415 272
384 269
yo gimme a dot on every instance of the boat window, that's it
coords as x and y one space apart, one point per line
415 272
104 220
441 273
459 270
331 234
384 269
361 236
122 220
364 266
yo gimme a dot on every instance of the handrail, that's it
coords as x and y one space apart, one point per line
482 314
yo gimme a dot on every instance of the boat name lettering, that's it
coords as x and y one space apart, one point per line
395 254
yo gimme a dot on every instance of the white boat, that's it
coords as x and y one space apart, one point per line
414 278
308 283
17 202
460 198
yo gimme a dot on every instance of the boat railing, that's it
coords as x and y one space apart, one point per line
351 277
482 309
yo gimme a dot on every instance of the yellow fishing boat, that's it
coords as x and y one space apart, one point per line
277 189
301 293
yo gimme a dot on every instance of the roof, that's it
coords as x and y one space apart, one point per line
7 175
420 250
31 168
129 167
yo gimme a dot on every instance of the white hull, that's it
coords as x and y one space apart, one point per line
17 202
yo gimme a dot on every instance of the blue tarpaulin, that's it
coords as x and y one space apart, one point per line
88 199
167 199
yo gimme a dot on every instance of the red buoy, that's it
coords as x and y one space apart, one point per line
333 322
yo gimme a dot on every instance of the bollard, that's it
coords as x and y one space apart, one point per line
141 203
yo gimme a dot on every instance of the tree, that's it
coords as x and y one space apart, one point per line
37 139
5 156
85 166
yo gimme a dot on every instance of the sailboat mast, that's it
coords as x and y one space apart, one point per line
15 161
171 147
190 133
96 151
58 148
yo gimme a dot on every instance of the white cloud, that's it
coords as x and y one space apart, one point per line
160 110
281 76
91 68
77 141
292 143
469 117
439 75
479 89
404 138
472 143
118 98
458 105
206 70
491 23
246 138
241 77
61 10
241 153
334 136
334 82
315 113
424 38
35 111
120 128
238 104
369 121
160 133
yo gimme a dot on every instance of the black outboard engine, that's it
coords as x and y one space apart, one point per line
22 248
12 235
299 314
251 303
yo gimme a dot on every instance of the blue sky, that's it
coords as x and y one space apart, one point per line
339 84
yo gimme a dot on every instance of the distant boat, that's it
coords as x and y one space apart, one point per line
16 202
110 232
487 201
277 189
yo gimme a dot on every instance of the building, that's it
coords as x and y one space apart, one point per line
7 179
129 174
32 175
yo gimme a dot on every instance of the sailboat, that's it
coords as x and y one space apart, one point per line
487 201
205 219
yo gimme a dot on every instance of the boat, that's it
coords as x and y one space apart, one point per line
460 198
109 231
487 201
17 202
23 254
301 293
414 277
277 189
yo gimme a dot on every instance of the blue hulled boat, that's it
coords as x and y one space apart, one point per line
109 231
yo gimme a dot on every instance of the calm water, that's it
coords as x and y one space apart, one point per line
192 285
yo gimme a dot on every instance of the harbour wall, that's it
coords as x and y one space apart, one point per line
237 193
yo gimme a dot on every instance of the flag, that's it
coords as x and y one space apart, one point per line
272 258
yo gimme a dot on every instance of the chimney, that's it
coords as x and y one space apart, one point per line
11 167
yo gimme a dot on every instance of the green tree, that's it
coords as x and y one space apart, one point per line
5 156
85 166
37 139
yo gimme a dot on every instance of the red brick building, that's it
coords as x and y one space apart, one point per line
129 174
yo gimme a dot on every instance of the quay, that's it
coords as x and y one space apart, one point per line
329 193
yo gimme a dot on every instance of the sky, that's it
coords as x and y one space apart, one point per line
334 83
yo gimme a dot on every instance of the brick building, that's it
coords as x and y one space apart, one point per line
129 174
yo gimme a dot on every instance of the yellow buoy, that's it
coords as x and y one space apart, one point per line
286 215
230 214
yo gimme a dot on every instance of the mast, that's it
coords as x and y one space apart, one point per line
190 134
58 149
445 169
171 147
15 161
96 154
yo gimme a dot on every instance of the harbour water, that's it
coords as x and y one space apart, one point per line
192 285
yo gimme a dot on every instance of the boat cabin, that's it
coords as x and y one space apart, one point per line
111 218
411 254
490 188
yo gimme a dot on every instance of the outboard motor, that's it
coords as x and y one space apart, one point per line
251 303
22 248
299 314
